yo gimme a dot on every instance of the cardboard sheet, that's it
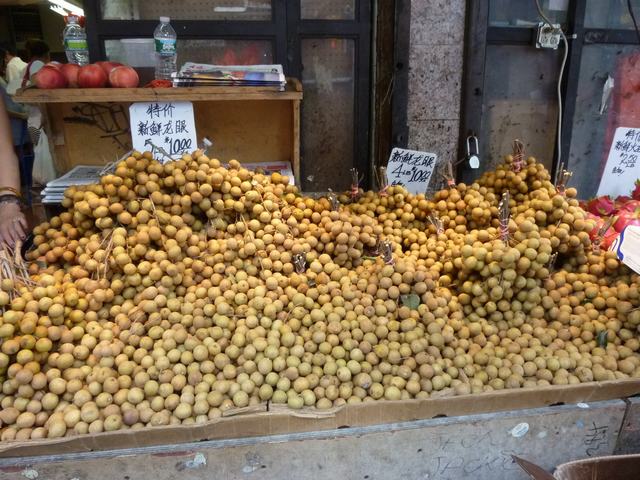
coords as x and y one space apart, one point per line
618 467
278 420
614 467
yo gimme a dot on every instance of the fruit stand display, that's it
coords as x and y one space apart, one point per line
187 300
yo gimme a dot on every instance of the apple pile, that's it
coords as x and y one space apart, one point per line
95 75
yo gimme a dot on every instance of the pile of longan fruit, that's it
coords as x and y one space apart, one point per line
171 293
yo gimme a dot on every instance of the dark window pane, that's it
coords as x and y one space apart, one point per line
139 52
593 131
611 14
510 13
328 9
327 113
519 102
186 9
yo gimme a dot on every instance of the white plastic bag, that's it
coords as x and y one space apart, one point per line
43 169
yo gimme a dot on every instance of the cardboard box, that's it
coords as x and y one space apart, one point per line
270 419
615 467
622 467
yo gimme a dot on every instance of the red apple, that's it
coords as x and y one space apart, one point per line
49 77
70 71
92 76
54 64
108 66
124 77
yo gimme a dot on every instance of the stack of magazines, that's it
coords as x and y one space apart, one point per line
199 74
79 175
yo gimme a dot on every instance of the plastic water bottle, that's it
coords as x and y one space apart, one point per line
166 56
75 42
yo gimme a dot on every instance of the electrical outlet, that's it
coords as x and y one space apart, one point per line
548 37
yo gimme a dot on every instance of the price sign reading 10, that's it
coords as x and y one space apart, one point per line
166 129
411 168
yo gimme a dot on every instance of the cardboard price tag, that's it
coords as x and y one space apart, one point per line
166 129
623 163
627 247
411 169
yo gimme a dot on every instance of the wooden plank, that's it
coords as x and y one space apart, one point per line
385 67
74 95
93 133
400 88
294 84
249 130
295 155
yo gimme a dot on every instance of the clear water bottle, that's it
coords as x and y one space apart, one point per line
166 56
75 41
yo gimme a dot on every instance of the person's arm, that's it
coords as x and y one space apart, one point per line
18 114
12 222
15 110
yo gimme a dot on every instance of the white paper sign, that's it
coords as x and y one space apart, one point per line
166 129
623 164
627 247
411 169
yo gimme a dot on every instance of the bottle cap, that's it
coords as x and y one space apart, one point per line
165 19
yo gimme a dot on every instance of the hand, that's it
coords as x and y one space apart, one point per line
13 225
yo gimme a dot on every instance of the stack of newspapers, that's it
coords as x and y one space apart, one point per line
79 175
199 74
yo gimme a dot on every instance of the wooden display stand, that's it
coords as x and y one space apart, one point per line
250 124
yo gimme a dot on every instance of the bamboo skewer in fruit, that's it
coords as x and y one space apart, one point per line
518 155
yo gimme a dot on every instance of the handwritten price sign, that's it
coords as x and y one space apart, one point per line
411 169
623 163
166 129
